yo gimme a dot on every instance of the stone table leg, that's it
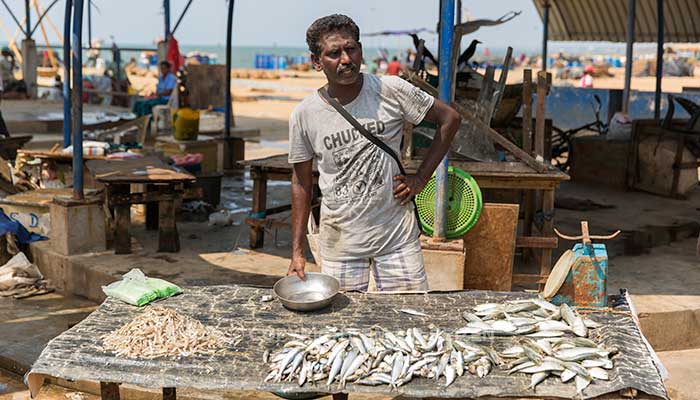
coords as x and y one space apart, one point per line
151 211
122 219
168 238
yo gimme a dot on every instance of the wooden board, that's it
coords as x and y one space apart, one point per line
490 247
206 84
57 156
140 170
515 170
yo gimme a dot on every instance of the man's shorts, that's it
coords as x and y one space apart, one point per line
401 270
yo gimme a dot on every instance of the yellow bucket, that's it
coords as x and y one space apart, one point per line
185 124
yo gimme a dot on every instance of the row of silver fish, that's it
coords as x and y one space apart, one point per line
379 357
576 358
531 317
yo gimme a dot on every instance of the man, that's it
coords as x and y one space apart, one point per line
367 218
164 87
166 82
394 67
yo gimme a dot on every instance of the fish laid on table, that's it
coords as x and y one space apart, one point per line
577 359
378 357
534 317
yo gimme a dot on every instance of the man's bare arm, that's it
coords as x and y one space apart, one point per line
302 185
448 121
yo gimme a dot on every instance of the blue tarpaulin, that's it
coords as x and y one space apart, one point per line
9 225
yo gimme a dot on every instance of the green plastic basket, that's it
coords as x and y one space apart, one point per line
463 203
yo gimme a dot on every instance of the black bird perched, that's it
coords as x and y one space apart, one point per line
468 53
426 52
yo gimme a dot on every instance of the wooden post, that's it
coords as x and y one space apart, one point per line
109 391
547 231
169 394
257 234
540 113
529 201
527 111
168 238
122 219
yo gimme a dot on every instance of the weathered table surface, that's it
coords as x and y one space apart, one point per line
137 170
77 354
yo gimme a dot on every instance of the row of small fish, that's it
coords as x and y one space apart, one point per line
380 357
577 358
530 317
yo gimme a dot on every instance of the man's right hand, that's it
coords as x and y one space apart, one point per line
296 267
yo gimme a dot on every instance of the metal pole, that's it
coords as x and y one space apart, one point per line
28 32
545 34
166 11
659 57
227 94
89 10
446 75
66 74
459 12
631 11
77 101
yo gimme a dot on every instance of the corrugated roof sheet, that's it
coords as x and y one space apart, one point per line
606 20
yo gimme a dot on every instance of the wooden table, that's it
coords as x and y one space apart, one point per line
489 175
163 187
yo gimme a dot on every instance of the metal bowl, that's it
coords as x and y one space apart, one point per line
315 293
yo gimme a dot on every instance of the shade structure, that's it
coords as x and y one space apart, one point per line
605 20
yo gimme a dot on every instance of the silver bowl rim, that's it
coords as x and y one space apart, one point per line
285 300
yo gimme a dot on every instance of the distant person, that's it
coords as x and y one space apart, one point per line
587 78
7 68
374 66
394 67
166 83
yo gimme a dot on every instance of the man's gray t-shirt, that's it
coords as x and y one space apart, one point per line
360 218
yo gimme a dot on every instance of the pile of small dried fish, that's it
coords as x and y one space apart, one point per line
160 331
568 358
378 357
530 317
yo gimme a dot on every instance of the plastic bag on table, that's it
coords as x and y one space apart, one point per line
137 289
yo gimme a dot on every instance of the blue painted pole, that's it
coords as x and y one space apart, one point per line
66 74
227 95
446 76
28 14
77 100
166 11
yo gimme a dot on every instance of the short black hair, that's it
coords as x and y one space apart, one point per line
327 24
167 64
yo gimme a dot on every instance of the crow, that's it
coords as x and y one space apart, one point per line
468 53
426 52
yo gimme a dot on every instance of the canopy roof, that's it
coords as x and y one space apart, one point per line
605 20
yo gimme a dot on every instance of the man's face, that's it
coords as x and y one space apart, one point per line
340 58
164 69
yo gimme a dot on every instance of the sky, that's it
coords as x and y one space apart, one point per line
282 22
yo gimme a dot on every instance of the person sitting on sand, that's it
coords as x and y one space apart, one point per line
166 83
587 78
